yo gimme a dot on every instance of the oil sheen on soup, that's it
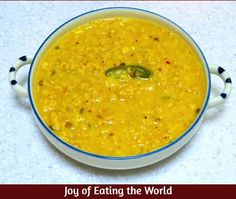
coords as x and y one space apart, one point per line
119 86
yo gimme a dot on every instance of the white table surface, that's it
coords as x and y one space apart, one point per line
27 157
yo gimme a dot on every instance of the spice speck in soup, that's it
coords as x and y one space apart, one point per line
119 86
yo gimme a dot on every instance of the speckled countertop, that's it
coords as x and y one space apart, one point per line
27 157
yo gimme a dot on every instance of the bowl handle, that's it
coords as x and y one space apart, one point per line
220 72
24 60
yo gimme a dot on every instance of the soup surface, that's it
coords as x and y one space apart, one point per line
119 86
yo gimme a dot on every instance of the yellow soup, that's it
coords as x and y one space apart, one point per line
119 86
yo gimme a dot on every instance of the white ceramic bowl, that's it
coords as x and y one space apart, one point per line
107 161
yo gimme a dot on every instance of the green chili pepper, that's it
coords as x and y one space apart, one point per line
129 71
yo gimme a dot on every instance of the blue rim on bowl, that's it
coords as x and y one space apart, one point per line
125 157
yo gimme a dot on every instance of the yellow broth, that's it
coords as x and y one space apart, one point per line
119 116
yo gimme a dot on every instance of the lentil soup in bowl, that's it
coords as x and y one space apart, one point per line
119 88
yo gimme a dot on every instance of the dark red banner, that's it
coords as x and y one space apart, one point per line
118 191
